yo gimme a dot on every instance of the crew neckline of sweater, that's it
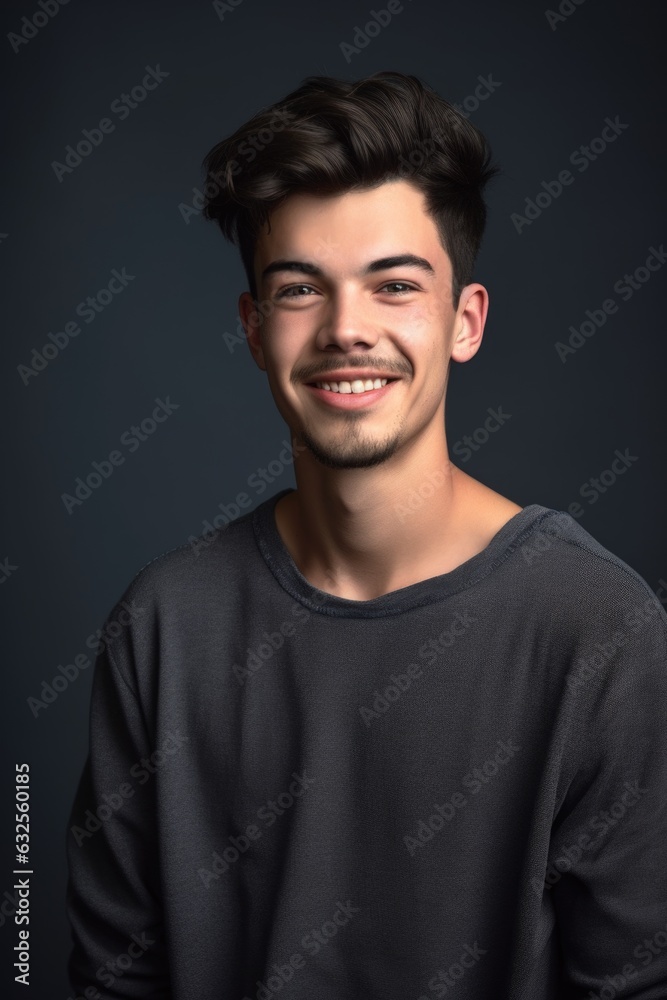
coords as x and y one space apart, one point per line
429 591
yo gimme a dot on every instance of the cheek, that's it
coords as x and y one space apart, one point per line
422 326
280 361
281 356
287 337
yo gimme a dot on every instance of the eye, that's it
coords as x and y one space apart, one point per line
293 291
285 293
406 288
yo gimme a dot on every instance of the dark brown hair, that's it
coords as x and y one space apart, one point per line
329 136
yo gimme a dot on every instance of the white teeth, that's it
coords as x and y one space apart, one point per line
358 385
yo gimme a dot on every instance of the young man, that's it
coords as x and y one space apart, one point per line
390 734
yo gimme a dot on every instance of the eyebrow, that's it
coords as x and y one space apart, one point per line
381 264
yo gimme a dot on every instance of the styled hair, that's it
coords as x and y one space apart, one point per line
330 136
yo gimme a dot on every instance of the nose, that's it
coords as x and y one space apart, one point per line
347 323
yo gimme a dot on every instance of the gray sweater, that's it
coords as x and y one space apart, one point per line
457 789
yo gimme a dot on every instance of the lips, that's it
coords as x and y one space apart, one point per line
351 400
362 376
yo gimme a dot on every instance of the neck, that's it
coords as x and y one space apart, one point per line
361 533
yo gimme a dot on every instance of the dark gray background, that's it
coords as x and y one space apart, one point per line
163 336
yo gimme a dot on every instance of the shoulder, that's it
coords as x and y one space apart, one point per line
569 543
585 588
203 566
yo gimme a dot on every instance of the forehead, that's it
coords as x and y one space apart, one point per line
342 232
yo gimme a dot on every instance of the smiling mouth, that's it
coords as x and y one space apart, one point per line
351 386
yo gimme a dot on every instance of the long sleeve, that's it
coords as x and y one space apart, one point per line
113 896
607 872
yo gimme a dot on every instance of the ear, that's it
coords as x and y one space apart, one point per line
252 319
469 322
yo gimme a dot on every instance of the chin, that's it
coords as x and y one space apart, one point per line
363 456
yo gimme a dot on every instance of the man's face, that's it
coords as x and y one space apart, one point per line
380 319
